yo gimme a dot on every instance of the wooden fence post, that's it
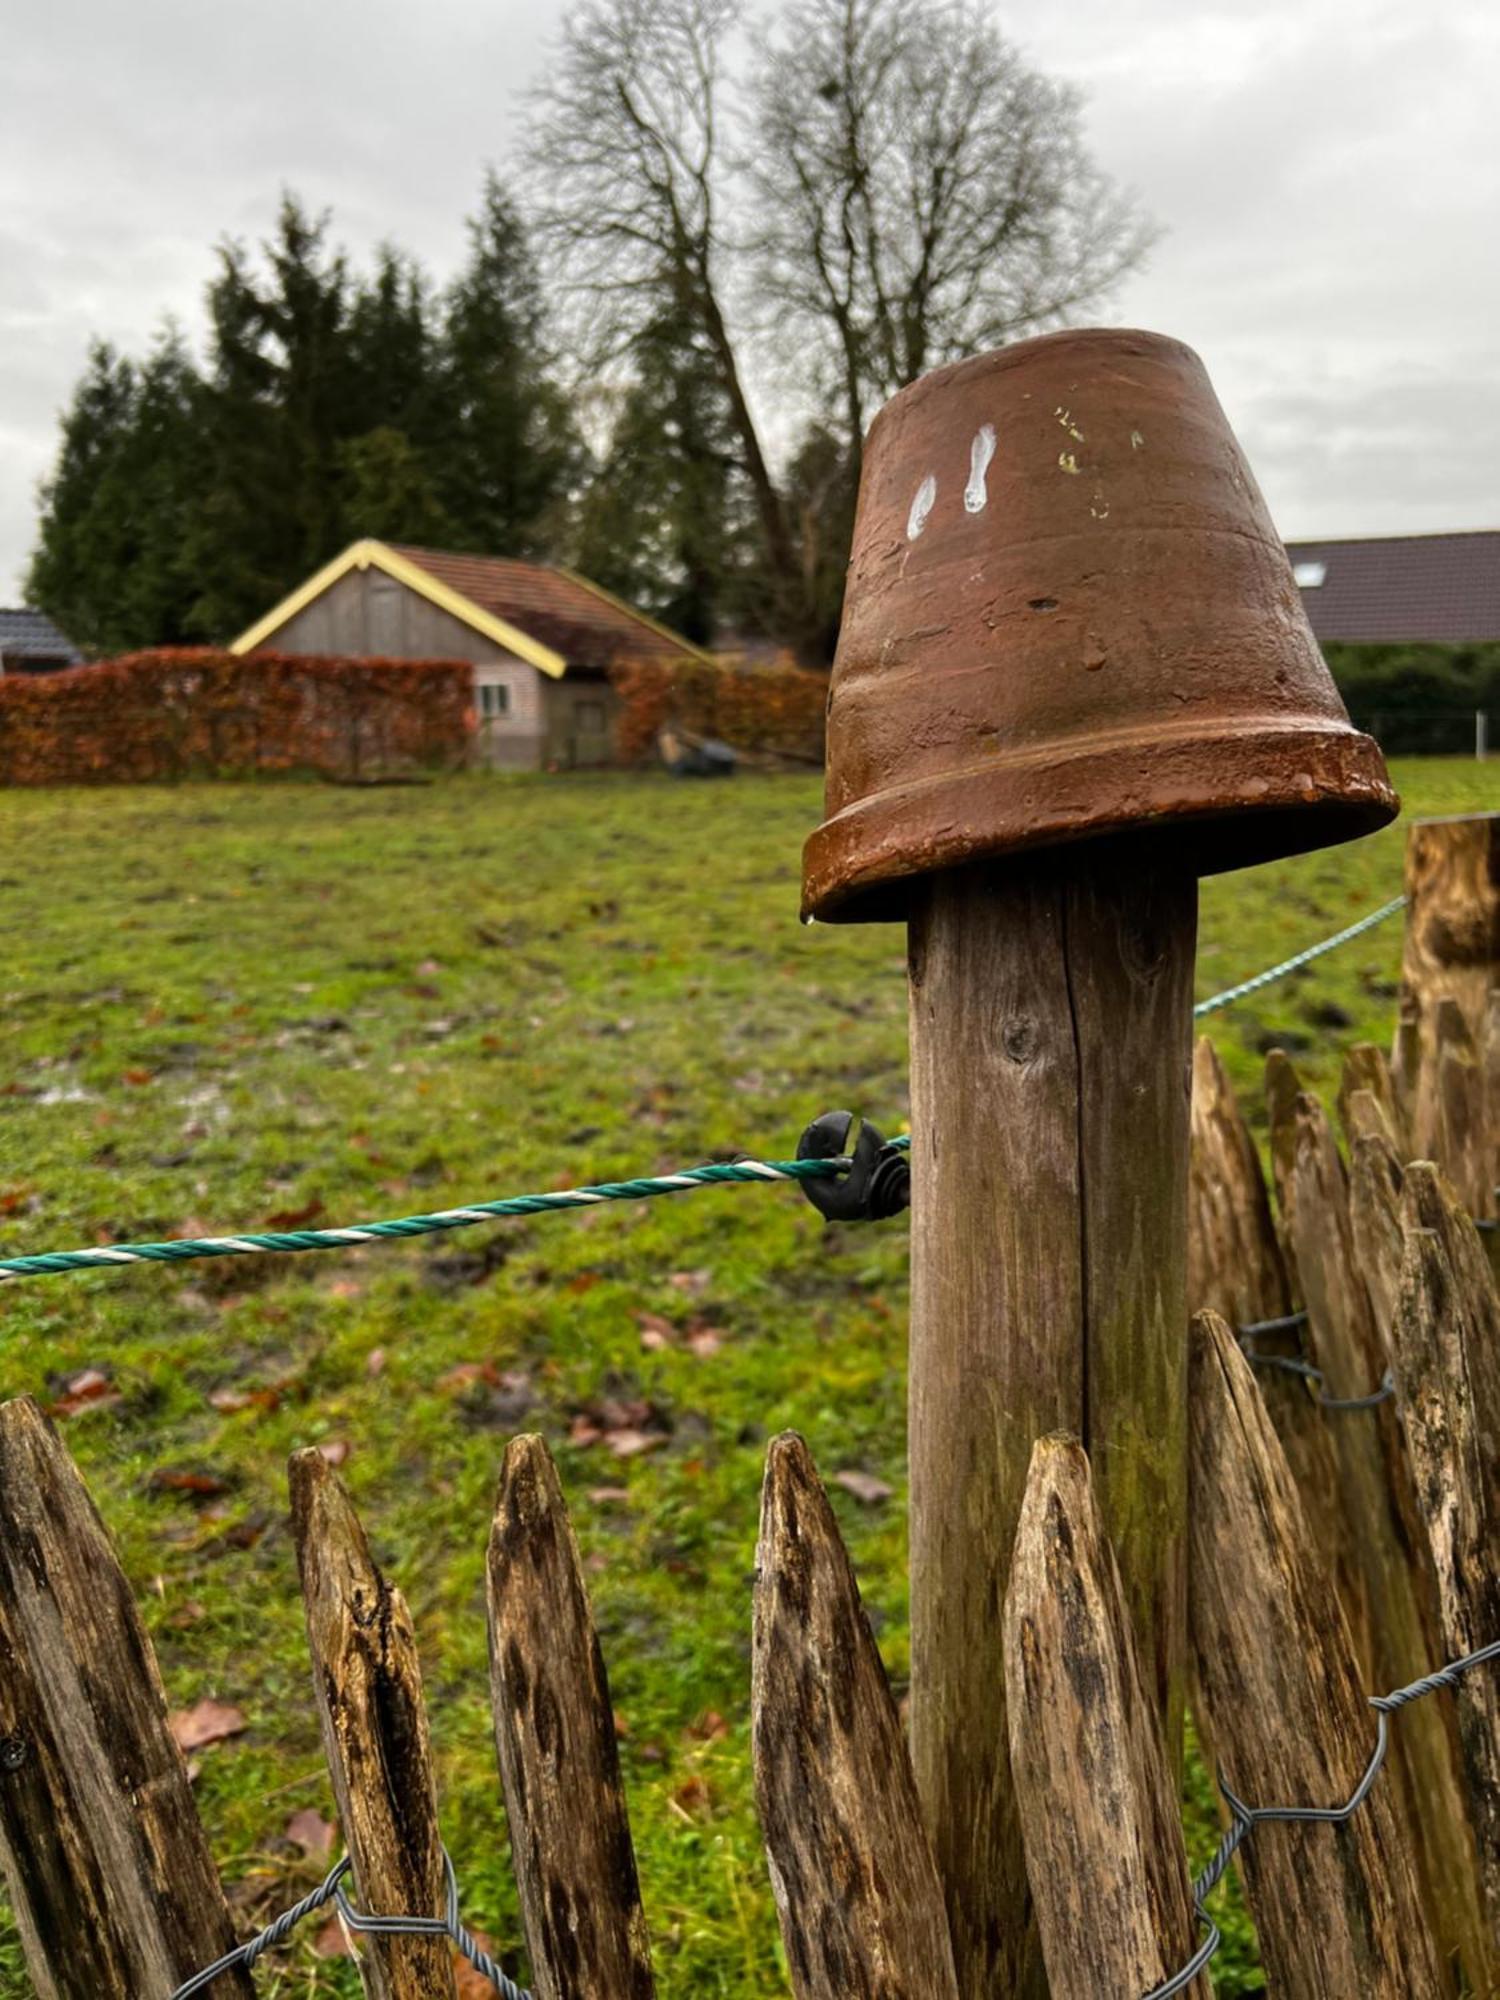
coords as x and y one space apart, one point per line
1367 1098
1237 1267
1344 1340
1337 1907
1051 1042
368 1687
555 1739
1452 953
1445 1341
108 1873
857 1892
1098 1804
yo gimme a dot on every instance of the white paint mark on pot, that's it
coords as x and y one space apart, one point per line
1099 506
1065 418
1068 462
1136 440
921 507
981 451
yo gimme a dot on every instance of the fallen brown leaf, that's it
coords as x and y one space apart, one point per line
311 1832
865 1487
207 1721
199 1485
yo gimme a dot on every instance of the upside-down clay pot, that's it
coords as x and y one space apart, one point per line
1069 617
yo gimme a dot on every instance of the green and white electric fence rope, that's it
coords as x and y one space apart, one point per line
281 1242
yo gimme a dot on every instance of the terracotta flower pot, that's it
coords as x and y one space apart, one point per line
1069 615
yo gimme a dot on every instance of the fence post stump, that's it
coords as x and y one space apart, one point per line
555 1739
107 1870
368 1687
1445 1343
857 1892
1451 953
1337 1907
1098 1801
1345 1341
1238 1267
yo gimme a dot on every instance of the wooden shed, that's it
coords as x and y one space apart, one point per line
542 641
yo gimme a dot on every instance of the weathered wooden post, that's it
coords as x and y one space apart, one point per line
1446 1063
1073 675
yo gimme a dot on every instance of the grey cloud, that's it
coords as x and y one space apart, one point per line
1325 171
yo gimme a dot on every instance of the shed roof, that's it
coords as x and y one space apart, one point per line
1387 589
547 615
578 619
31 635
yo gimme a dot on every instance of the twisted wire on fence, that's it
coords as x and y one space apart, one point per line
1244 1819
252 1244
331 1890
1294 1364
1298 959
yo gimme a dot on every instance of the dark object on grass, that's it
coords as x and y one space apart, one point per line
687 756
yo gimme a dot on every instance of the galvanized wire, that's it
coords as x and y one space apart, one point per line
331 1890
1243 1818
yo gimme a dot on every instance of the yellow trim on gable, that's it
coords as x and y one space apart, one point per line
375 555
619 604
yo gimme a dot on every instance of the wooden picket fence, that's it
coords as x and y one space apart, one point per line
1334 1552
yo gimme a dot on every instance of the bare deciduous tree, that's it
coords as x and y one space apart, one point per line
922 194
629 171
888 174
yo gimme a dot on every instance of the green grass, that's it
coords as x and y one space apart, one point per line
223 1004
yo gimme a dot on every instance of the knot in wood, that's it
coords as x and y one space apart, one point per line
1020 1038
14 1750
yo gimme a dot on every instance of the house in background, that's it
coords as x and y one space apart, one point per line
1402 589
31 644
542 641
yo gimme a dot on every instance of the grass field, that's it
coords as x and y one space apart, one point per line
225 1007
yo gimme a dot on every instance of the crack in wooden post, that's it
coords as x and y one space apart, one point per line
368 1687
555 1740
114 1892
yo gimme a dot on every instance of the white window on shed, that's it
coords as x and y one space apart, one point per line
1309 575
494 699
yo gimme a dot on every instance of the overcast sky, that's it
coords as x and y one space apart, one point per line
1327 173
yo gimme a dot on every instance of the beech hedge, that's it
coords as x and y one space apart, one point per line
198 712
777 712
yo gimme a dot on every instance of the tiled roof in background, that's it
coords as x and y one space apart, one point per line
31 635
1440 588
560 610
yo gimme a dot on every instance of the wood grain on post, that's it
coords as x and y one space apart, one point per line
856 1888
1098 1803
1235 1262
108 1874
1451 952
1446 1344
1367 1098
368 1688
1380 1503
1337 1907
1460 1142
1051 1043
1375 1181
1237 1268
555 1740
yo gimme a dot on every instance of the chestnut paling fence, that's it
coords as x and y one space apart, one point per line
1344 1396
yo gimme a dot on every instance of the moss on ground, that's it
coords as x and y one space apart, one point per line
228 1004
